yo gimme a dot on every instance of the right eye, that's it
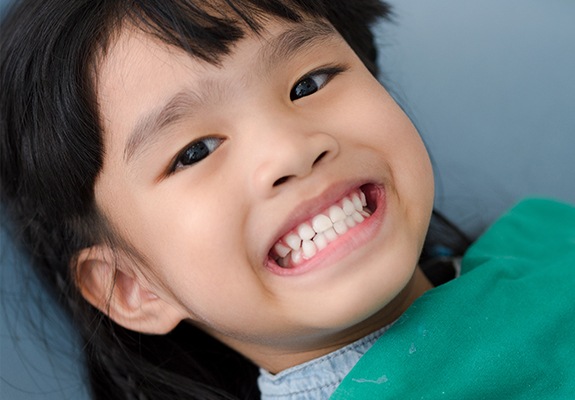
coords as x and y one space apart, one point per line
196 152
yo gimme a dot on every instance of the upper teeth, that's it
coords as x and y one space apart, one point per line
310 237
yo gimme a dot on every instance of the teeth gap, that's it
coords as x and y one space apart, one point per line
367 191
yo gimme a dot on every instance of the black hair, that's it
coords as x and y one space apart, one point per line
51 153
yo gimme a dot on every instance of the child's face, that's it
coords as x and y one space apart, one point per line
207 168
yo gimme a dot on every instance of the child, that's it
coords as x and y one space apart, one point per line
229 187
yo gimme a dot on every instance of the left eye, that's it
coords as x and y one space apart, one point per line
196 152
313 82
308 85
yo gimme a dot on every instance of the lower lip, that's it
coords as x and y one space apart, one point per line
355 238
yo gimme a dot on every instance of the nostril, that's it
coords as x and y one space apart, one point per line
281 180
318 159
284 179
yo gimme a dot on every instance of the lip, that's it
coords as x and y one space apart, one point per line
356 237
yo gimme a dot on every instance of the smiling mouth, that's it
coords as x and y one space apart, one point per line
316 234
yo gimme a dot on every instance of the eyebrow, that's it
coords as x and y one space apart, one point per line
143 135
302 37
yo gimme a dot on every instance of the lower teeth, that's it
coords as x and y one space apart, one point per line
290 261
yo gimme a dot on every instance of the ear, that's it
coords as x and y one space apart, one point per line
108 283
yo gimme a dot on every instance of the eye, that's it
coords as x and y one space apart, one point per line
308 85
196 152
313 82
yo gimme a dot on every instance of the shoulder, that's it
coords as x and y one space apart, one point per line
534 231
507 320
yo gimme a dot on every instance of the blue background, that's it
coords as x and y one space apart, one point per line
490 86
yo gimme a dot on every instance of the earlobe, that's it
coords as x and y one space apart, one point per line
109 283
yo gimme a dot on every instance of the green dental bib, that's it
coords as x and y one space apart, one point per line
505 329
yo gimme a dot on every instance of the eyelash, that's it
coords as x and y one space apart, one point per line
195 152
304 83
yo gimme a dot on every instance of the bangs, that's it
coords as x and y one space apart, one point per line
208 29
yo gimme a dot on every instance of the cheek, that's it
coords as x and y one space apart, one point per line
184 232
195 246
374 120
173 230
388 131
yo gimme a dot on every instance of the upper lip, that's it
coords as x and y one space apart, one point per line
308 208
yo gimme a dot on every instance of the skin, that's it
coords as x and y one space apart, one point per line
204 231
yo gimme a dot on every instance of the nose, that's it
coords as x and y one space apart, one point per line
288 155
